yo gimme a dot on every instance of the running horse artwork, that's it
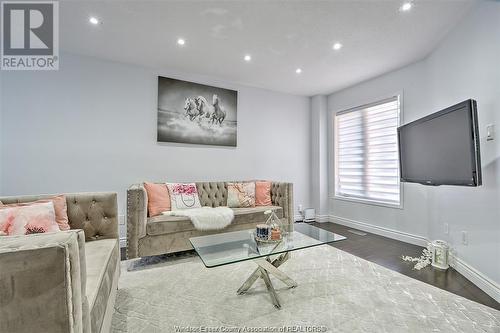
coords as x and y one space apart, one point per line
196 114
204 108
214 113
191 110
219 114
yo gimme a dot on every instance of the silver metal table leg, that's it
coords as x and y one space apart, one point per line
270 288
268 266
271 269
250 281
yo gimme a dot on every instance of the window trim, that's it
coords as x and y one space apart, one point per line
335 196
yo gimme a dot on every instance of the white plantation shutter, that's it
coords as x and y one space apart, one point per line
366 152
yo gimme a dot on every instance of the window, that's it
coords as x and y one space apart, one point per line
366 153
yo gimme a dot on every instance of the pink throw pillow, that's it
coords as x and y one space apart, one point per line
29 219
60 208
158 198
263 194
183 196
240 195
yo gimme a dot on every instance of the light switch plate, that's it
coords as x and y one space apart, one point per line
490 132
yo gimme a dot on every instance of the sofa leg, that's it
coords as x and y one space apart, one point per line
131 264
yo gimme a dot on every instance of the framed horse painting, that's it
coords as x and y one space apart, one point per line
196 114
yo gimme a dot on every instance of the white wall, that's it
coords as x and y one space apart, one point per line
464 66
413 218
91 126
319 150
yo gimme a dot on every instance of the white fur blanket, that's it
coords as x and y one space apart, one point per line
206 218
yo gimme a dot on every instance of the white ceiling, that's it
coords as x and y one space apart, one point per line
280 36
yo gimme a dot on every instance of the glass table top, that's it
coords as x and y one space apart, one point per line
230 247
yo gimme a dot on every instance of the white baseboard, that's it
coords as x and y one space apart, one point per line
374 229
318 218
322 218
473 275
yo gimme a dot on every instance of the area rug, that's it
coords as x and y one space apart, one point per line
337 292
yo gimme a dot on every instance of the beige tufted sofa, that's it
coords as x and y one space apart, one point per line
63 281
147 236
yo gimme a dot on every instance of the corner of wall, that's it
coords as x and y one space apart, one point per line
319 154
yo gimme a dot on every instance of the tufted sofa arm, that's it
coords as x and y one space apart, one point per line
95 213
137 216
282 195
43 283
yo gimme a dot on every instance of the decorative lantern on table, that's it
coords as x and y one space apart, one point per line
440 254
275 225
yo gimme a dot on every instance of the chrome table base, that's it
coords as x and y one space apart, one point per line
268 266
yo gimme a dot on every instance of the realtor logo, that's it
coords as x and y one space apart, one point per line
30 35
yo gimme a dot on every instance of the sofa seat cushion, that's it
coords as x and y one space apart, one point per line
165 224
102 258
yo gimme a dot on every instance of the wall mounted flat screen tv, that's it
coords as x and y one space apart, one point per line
442 148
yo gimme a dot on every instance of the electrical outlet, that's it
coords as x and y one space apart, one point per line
465 238
121 219
299 208
446 229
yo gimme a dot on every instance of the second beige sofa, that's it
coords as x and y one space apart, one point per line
63 281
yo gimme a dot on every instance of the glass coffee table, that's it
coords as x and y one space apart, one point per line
231 247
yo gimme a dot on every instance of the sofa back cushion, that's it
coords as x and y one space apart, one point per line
95 213
212 194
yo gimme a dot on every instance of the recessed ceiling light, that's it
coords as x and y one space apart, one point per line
406 7
247 57
298 71
181 41
94 20
337 46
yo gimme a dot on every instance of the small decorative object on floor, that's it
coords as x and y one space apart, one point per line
436 254
423 261
440 254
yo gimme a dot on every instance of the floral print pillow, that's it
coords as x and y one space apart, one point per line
241 195
32 219
183 196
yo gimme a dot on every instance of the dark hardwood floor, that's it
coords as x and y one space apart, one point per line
387 252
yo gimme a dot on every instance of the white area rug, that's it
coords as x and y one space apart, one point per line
337 292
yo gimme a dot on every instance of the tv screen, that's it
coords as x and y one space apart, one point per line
442 148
